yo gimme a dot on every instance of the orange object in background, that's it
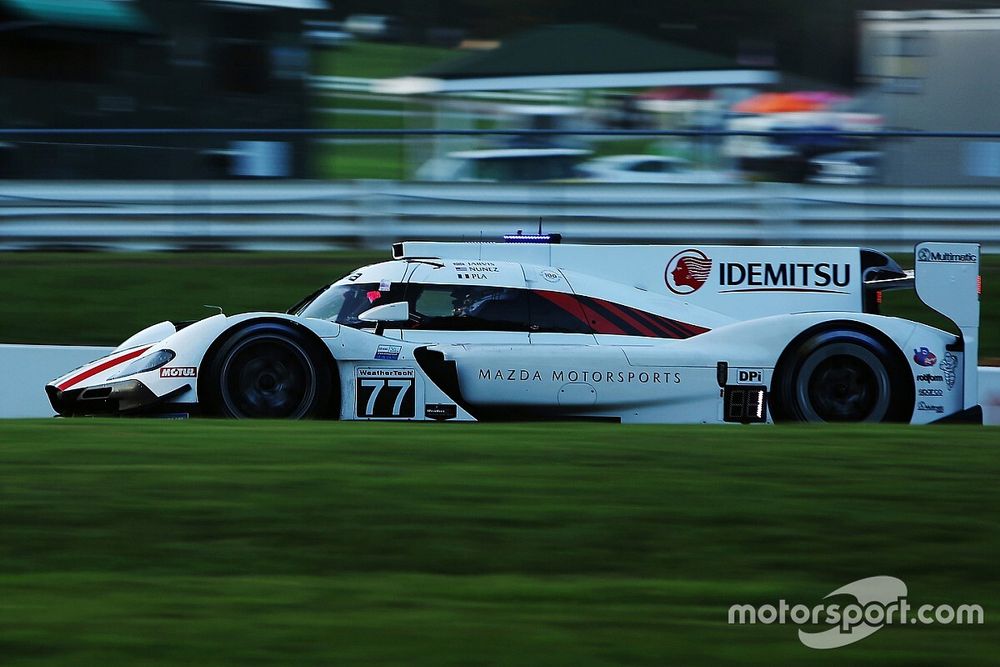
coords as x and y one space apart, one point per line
785 102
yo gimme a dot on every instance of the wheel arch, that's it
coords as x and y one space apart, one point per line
901 377
315 342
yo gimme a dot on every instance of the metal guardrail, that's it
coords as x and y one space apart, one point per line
311 215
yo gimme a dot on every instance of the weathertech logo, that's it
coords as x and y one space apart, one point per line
687 271
179 372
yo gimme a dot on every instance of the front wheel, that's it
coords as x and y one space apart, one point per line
841 376
267 371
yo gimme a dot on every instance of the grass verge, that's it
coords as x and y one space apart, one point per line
165 543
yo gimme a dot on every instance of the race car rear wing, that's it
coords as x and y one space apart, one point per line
947 280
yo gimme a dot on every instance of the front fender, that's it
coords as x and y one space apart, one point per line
178 378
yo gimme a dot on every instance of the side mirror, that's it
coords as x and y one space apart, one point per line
398 311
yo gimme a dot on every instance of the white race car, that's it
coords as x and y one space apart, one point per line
532 328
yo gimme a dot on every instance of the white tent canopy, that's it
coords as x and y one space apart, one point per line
413 85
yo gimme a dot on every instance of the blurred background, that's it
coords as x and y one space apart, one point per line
328 125
525 65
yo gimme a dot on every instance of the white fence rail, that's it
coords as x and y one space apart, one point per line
352 84
303 215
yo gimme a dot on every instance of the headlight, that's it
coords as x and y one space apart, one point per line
143 364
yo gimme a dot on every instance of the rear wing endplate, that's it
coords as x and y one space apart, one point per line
947 280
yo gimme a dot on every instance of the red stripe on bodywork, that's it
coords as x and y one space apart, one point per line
567 302
665 331
642 323
672 328
110 363
588 315
598 322
623 313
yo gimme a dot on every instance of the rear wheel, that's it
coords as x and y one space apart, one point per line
841 376
268 371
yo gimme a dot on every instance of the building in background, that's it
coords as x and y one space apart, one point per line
570 70
934 71
154 64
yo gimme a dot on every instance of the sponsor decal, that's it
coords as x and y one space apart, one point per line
926 255
594 376
930 407
924 356
929 377
475 270
948 366
440 411
388 352
930 392
687 271
178 372
385 393
551 276
385 373
354 276
384 285
749 376
819 277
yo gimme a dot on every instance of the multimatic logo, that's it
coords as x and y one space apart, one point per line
925 255
687 271
821 277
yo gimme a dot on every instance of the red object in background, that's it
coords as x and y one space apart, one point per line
374 295
785 102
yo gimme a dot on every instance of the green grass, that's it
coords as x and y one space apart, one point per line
370 60
159 543
358 161
102 298
82 298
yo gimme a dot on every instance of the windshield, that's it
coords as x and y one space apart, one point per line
343 303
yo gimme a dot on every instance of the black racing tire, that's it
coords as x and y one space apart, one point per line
842 375
267 370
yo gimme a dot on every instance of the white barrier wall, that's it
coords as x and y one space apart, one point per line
989 394
25 369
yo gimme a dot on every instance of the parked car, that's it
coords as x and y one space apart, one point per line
327 34
377 27
504 164
649 169
844 167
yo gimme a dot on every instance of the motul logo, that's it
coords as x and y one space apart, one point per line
179 372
